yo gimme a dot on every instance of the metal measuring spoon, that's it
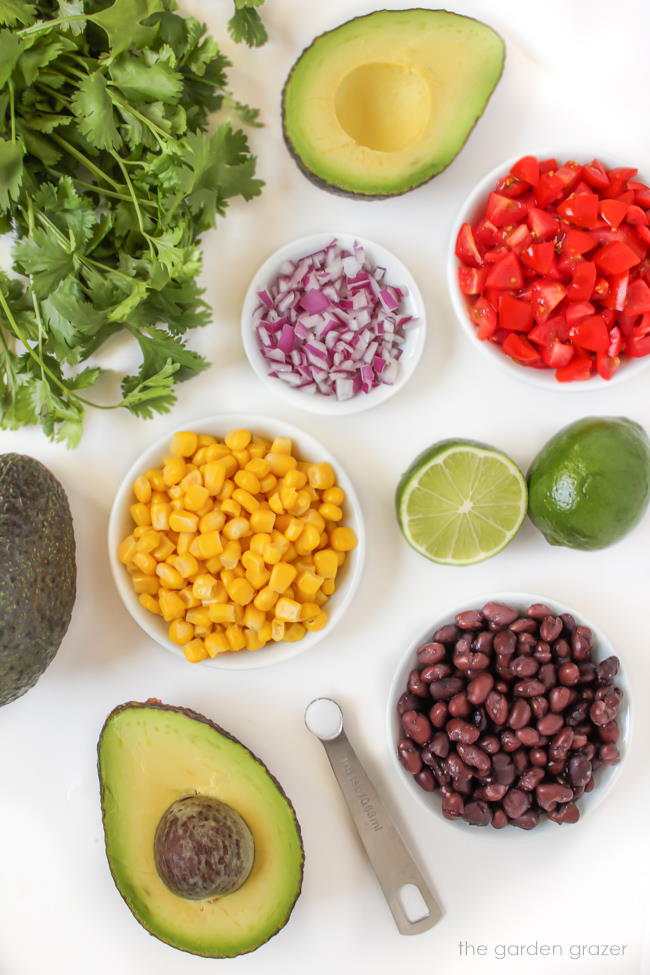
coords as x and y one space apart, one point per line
413 906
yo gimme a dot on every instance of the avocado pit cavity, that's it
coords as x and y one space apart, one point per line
203 848
383 106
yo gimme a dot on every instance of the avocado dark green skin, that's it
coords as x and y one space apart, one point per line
154 704
37 571
323 184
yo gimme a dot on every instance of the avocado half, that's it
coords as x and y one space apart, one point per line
150 755
38 573
386 101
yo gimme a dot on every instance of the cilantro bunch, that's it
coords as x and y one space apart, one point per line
108 176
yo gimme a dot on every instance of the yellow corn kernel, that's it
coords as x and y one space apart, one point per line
308 611
343 539
183 521
206 545
287 610
254 618
204 586
214 475
222 612
308 583
202 630
264 634
150 603
231 507
269 483
216 643
212 522
258 578
156 479
236 528
246 500
247 481
259 541
235 637
172 606
242 457
293 529
330 512
275 504
317 622
240 591
145 563
259 468
238 439
127 549
328 588
159 497
140 514
188 598
294 632
199 616
277 630
142 489
265 599
140 530
252 639
226 490
302 503
282 522
320 598
201 456
206 440
176 505
334 495
282 445
308 540
185 542
192 479
184 444
145 584
169 576
341 556
280 463
321 476
216 451
289 593
174 471
148 541
290 554
195 651
160 516
282 575
262 520
186 565
230 555
295 479
326 563
180 632
272 553
175 492
288 497
195 497
312 517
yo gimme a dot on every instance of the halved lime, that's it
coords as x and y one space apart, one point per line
461 502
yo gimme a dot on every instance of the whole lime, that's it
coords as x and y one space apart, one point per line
590 484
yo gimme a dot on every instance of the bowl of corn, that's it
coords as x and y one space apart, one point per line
238 543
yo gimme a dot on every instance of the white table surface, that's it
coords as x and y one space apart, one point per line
576 74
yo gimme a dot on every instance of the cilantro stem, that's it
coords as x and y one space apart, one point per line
84 160
103 192
48 24
12 110
154 129
54 230
21 338
134 198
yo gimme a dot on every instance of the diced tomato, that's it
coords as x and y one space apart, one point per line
527 169
471 279
501 210
580 367
484 317
613 211
494 255
617 291
575 310
609 316
582 285
551 330
642 197
627 198
615 342
547 165
616 258
606 365
486 233
643 233
569 174
509 186
466 247
547 294
520 348
557 354
506 274
601 288
539 257
577 242
580 209
542 224
638 298
596 175
591 334
518 238
514 315
549 188
635 216
638 343
618 180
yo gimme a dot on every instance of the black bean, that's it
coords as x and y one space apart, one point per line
432 653
477 813
409 755
499 613
471 619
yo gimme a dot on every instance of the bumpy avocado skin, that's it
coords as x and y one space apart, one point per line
105 790
325 184
37 571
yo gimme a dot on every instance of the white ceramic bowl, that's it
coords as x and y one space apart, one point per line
470 211
396 274
120 525
605 776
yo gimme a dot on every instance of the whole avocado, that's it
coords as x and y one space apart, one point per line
590 484
37 571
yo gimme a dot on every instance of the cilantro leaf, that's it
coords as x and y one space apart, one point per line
246 25
43 258
10 50
152 395
14 12
72 8
143 82
11 170
122 22
157 349
93 107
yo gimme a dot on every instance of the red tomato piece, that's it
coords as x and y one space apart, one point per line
514 315
491 257
549 188
526 169
577 242
580 209
503 210
486 233
552 330
518 347
590 333
618 180
606 365
584 279
557 354
613 211
615 342
569 174
510 186
601 288
547 294
595 175
539 257
519 238
616 258
617 291
466 247
643 233
506 274
627 197
484 317
471 279
638 298
642 197
575 310
547 165
638 343
579 368
636 216
542 224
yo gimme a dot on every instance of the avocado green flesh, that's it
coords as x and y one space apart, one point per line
150 756
37 571
590 484
384 102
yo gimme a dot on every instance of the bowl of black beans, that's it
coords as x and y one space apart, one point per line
509 711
